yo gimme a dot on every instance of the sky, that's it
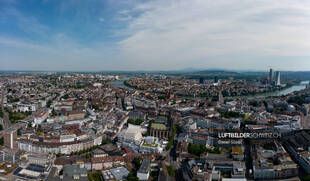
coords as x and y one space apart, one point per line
98 35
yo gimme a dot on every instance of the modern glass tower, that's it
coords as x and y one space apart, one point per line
271 76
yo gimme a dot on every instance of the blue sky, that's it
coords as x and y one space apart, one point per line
96 35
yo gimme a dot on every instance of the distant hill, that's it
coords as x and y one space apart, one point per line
189 70
219 72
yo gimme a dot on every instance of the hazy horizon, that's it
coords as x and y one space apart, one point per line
158 70
158 35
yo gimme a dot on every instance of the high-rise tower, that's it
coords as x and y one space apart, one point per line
278 79
216 79
271 76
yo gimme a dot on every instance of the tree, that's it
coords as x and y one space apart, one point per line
137 162
255 103
29 124
135 122
54 112
1 141
66 96
215 150
1 127
15 116
19 133
97 176
131 177
171 138
297 100
232 114
87 155
96 107
161 97
197 149
105 141
170 171
247 116
28 113
306 178
49 103
104 101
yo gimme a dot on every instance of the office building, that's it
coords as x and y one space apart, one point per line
278 79
216 79
201 80
271 76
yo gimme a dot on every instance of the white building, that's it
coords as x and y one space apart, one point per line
63 148
131 135
97 84
40 118
41 159
67 138
27 107
43 103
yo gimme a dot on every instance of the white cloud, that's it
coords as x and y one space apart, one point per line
64 53
179 33
166 34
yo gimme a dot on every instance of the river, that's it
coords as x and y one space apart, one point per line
298 87
301 86
120 83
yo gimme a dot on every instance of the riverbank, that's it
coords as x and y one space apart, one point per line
301 86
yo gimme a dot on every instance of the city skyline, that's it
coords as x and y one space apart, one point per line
154 90
154 35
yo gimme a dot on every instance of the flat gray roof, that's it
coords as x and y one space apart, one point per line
119 173
145 166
